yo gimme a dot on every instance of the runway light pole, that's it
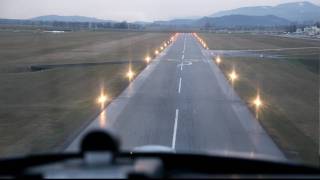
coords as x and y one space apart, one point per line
233 77
204 45
257 102
130 74
218 60
147 59
102 99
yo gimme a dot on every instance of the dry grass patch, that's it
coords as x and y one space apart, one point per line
291 110
40 110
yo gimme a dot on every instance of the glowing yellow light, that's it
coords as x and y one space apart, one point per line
257 102
130 74
156 52
233 75
102 99
218 60
161 48
148 59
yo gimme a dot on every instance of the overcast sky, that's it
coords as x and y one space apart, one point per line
130 10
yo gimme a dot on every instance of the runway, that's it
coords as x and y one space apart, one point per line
183 101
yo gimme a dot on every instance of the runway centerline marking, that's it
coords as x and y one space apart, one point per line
179 89
184 45
182 58
174 137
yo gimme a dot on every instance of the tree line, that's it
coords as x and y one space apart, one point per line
71 26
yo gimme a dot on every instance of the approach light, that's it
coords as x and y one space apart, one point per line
233 75
148 59
218 60
130 74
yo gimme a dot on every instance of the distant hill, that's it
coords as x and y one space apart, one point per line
297 12
242 20
227 21
176 22
68 19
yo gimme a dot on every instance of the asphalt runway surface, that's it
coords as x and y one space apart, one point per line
182 100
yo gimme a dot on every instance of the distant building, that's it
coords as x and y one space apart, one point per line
311 31
299 31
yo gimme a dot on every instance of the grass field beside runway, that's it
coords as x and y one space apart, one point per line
20 50
289 87
244 41
40 110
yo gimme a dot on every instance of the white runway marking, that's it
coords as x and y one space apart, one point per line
187 63
175 129
179 89
182 58
184 45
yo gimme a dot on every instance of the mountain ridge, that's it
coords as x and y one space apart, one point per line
296 12
228 21
68 18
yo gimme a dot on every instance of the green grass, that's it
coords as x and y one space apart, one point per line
308 57
38 116
291 110
250 41
288 87
40 110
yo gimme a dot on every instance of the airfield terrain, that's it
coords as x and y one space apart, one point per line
39 110
289 84
182 99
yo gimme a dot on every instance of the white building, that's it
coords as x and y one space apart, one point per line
312 31
299 31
